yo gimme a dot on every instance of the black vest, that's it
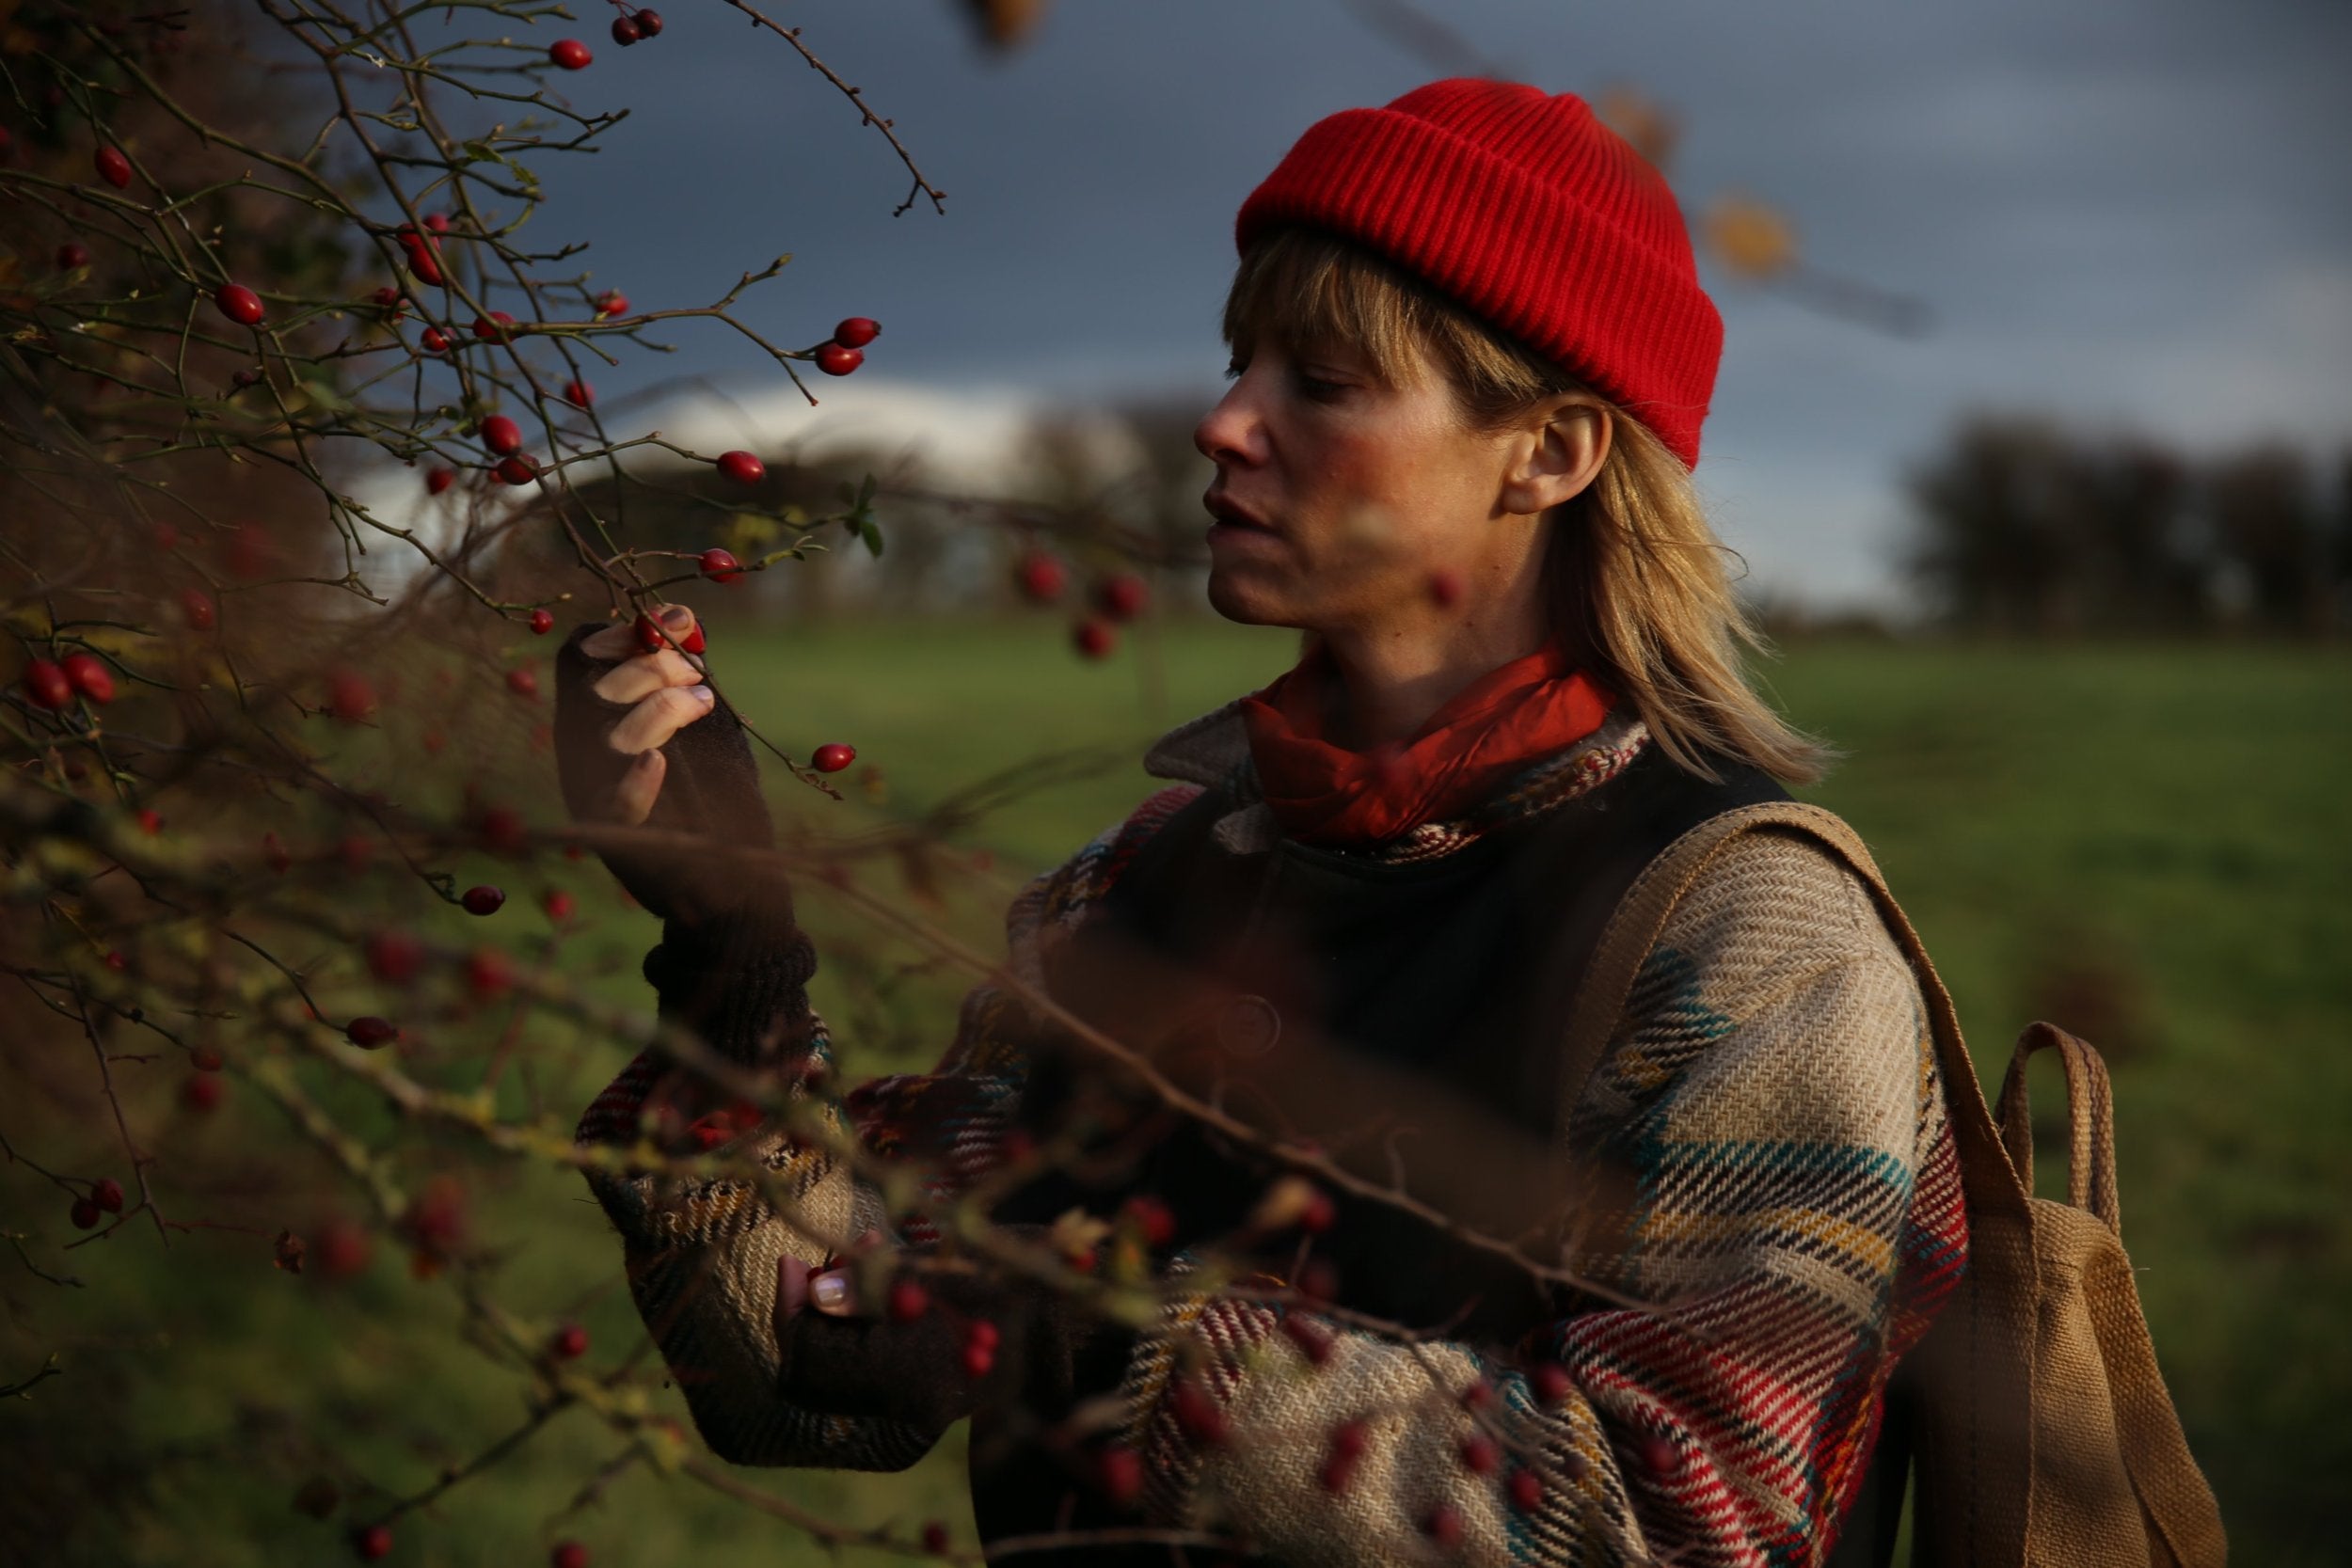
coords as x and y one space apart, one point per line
1458 970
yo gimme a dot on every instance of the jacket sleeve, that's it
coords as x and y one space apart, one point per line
1796 1220
701 1254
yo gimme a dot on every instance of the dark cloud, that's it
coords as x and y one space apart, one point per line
2120 210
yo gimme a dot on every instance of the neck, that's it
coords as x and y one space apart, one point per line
1393 676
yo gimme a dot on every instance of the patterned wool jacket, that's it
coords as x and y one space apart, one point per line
1790 1219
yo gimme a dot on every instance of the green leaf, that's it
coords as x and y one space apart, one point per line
872 535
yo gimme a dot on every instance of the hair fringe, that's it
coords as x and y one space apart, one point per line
1636 583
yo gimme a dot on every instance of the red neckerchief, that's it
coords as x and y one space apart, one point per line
1500 723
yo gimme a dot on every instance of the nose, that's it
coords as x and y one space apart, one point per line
1233 431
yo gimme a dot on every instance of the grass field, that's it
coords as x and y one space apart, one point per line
2149 844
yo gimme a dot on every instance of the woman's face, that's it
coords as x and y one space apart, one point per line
1346 504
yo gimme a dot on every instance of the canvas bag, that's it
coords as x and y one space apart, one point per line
2038 1423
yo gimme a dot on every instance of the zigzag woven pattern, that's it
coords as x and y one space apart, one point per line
1795 1222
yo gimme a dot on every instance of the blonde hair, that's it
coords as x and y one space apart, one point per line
1635 578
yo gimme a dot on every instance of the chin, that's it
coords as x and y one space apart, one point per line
1237 603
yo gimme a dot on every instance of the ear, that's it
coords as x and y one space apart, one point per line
1556 452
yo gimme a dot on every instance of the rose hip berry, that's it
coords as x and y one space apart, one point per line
1526 1491
394 957
201 1092
625 32
437 481
46 685
570 54
239 304
372 1542
113 167
435 341
907 1300
496 327
108 1193
857 331
742 467
425 256
88 675
517 469
649 23
569 1343
523 682
1121 597
541 622
558 905
501 434
571 1554
1094 639
833 758
484 899
349 697
84 1213
719 565
489 974
579 393
611 302
839 359
371 1032
1042 578
71 255
1120 1473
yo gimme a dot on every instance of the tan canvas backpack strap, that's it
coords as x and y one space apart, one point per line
1987 1174
2090 1119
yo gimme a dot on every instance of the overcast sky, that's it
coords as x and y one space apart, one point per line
2130 212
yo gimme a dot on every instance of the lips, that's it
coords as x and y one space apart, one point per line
1232 514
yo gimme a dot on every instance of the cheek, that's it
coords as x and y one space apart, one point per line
1396 493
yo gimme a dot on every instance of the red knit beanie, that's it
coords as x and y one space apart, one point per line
1529 211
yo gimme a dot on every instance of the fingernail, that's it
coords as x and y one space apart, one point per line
678 617
700 693
829 1292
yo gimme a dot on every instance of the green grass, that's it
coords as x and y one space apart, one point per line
2153 837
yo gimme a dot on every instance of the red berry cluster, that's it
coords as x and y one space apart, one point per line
54 685
846 350
635 26
1041 578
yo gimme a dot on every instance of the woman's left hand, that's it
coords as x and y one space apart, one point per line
940 1346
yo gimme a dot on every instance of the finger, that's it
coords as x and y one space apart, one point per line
657 717
635 678
833 1294
618 641
634 796
791 1289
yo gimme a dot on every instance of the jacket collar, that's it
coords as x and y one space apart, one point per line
1213 751
1209 749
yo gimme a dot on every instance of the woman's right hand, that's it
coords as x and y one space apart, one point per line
662 691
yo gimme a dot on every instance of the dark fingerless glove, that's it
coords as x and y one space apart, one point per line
1050 1353
732 964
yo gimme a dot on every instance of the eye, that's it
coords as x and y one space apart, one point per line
1319 389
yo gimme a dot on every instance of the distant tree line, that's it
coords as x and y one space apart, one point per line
2026 527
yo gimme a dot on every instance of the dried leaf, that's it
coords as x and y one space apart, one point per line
1753 239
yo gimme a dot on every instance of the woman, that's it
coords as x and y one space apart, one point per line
1470 364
